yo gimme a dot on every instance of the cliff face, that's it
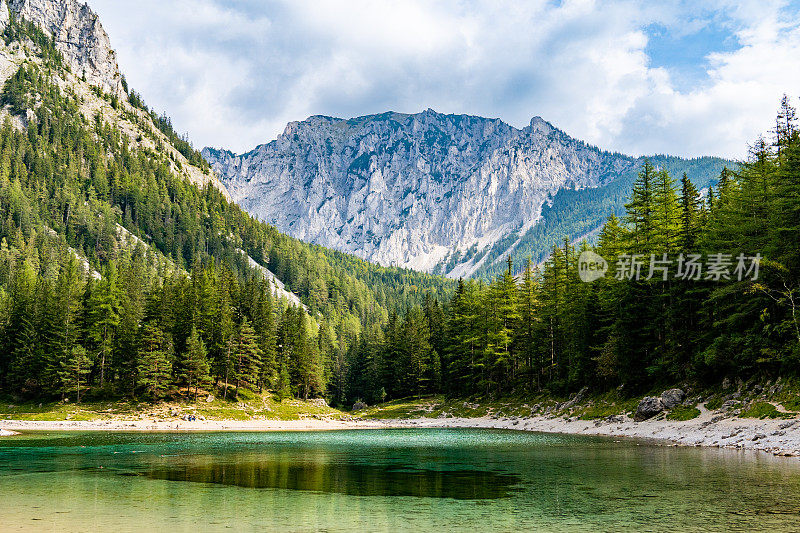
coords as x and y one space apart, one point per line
90 63
78 35
420 191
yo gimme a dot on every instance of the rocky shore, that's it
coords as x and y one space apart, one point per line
710 428
775 436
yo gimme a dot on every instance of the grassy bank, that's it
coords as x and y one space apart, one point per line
780 399
249 406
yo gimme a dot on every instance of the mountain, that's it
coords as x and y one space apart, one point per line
448 194
86 65
121 252
78 36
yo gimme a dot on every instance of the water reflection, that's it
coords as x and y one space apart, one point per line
349 478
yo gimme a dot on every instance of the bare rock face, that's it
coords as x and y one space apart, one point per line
649 407
427 191
78 35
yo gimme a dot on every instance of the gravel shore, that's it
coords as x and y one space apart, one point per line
775 436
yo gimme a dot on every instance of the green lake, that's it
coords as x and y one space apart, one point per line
386 480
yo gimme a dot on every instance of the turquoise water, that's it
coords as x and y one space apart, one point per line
388 480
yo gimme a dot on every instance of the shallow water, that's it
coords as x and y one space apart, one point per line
386 480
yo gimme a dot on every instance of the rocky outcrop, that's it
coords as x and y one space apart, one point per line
649 407
78 35
672 398
420 191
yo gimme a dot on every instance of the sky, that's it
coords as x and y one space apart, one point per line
688 78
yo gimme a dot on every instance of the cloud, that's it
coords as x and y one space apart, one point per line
233 73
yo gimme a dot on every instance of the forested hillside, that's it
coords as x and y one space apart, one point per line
581 213
731 315
119 276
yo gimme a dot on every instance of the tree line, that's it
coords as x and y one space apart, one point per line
543 328
89 214
118 277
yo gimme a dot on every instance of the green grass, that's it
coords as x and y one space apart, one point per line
791 404
789 396
439 406
682 412
714 403
764 410
248 406
605 405
404 408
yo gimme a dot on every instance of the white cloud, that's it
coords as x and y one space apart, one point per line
233 74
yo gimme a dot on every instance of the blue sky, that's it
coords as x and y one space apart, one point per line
686 78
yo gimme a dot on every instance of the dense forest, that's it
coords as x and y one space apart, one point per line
578 214
118 277
734 314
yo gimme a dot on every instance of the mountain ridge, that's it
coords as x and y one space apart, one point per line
430 191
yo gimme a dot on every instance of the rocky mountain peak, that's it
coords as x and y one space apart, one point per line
430 191
540 126
78 35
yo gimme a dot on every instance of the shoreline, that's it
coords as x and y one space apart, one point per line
775 436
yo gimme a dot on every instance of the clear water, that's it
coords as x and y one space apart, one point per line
393 480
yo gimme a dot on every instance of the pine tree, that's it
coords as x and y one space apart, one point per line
416 351
154 367
690 215
640 211
264 326
20 335
69 288
246 356
194 364
74 371
526 331
104 317
666 214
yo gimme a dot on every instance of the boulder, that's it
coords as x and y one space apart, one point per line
576 398
672 398
649 407
359 405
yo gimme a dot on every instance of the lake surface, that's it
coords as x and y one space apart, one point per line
386 480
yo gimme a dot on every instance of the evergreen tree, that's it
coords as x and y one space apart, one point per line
154 367
74 371
103 309
194 364
247 357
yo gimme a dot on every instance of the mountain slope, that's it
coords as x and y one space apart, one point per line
118 244
450 194
151 186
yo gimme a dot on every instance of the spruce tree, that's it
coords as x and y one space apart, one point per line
194 365
246 356
74 371
154 368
